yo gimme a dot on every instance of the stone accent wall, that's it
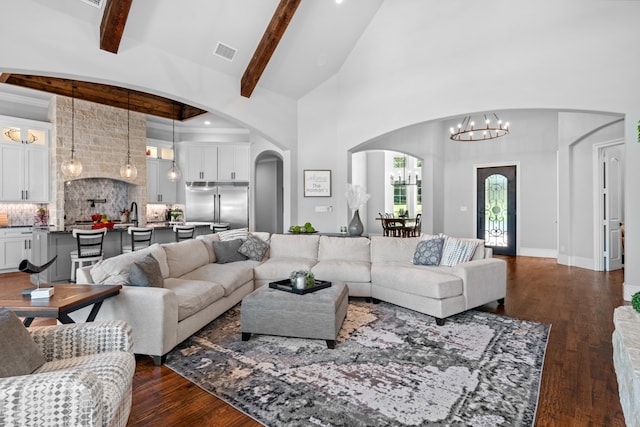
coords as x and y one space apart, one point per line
101 146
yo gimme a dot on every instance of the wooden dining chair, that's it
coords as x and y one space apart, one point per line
414 230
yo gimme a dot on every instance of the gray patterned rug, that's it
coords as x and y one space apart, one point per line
390 367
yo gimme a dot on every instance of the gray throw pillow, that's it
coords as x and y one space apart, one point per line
254 248
20 355
228 251
428 252
146 272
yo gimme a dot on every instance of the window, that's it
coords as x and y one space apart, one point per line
399 162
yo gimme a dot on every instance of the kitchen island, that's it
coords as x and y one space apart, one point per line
53 241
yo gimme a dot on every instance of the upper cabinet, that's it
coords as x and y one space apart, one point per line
200 162
211 162
233 163
159 160
24 156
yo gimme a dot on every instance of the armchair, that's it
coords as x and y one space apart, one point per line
86 378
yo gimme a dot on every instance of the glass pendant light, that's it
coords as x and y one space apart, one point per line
128 170
174 173
72 167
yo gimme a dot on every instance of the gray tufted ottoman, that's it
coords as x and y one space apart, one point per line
317 315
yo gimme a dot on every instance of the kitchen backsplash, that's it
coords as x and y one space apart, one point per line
20 213
110 197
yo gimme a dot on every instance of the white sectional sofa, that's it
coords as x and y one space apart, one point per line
197 289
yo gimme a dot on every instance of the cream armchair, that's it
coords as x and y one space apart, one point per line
85 381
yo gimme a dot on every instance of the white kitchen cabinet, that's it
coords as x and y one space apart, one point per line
200 162
15 245
233 163
159 188
24 156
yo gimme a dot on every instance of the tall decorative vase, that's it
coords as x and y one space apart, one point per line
355 226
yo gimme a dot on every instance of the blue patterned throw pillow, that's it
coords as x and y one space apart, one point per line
428 252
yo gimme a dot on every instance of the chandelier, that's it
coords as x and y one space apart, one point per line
468 132
128 170
404 178
72 167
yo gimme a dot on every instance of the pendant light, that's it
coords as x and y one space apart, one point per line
174 173
72 166
128 170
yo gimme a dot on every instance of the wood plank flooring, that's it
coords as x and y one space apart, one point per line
579 386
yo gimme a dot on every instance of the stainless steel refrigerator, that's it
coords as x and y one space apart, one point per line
217 203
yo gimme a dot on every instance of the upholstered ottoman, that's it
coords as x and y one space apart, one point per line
317 315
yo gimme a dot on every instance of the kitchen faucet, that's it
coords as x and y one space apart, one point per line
134 213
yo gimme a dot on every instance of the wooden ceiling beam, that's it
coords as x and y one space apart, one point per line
270 39
113 96
114 18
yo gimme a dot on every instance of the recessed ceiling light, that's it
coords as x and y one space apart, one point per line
207 122
338 1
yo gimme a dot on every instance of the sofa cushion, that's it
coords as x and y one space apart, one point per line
19 354
281 268
384 249
428 252
116 270
185 256
337 270
238 233
479 252
294 246
208 238
418 280
146 272
457 251
227 251
231 276
344 248
254 248
193 295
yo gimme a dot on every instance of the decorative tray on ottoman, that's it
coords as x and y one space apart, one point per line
285 285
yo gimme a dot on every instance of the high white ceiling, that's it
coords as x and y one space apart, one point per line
316 43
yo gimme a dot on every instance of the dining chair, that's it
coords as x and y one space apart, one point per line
140 239
414 230
88 249
184 232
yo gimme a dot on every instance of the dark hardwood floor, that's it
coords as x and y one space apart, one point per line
579 386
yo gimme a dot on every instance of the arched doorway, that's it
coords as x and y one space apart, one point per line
269 193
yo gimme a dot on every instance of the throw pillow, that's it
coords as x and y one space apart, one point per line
428 252
146 272
239 233
20 355
457 251
254 248
228 251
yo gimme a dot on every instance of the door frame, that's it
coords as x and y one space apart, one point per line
598 205
514 163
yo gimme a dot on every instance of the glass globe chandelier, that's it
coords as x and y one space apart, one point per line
174 173
128 171
72 167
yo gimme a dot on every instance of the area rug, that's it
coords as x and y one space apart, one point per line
391 367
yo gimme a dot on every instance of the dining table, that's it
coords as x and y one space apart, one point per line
396 226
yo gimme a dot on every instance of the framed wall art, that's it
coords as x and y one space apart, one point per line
317 183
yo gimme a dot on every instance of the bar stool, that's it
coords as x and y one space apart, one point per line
184 232
221 226
89 249
140 239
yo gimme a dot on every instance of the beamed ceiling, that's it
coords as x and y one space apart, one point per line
112 27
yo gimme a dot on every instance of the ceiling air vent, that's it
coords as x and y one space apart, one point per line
94 3
224 51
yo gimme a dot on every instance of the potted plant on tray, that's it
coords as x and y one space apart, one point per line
302 279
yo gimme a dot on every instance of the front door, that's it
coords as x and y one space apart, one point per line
496 208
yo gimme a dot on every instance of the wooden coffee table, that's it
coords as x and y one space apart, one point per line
66 299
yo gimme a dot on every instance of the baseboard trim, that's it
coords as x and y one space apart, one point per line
538 252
